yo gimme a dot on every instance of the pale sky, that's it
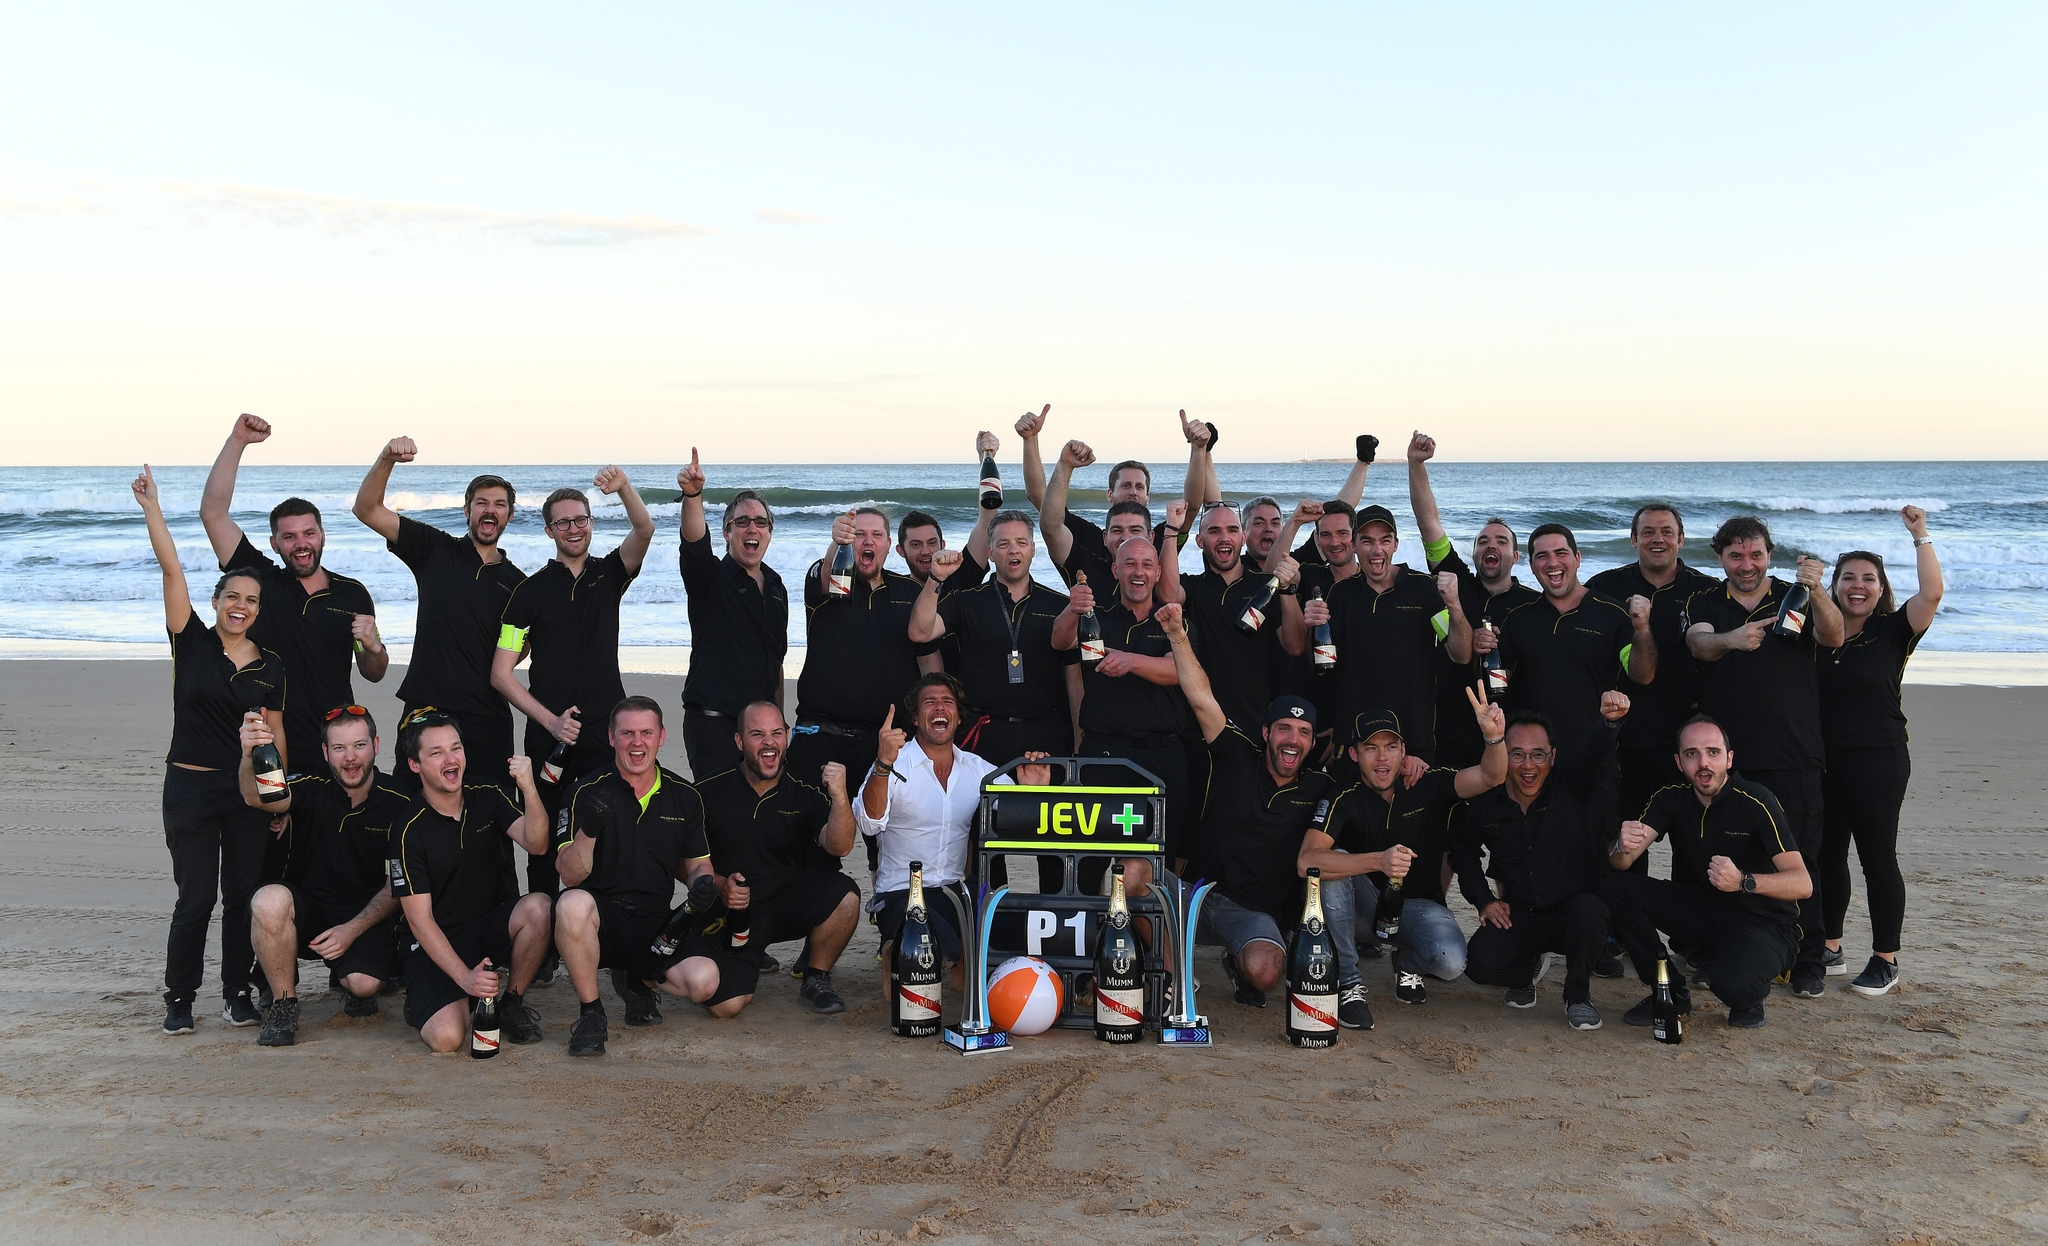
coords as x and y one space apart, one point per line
805 233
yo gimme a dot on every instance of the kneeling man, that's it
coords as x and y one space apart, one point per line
1736 883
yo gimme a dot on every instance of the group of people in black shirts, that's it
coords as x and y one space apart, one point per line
1319 705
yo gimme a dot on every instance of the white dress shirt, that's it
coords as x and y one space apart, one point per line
925 821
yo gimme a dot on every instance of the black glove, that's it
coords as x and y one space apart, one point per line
1368 445
703 895
1213 435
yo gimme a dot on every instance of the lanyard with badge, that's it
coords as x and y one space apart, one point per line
1012 620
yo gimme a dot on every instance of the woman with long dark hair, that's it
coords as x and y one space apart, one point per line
1868 764
217 841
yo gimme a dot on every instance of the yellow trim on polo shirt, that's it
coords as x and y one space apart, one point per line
1625 651
651 791
511 639
1440 623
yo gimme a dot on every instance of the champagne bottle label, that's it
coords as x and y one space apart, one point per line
842 584
1254 619
550 771
1496 680
1326 655
918 1004
992 484
1093 650
1794 622
484 1042
1316 1014
270 784
1120 1010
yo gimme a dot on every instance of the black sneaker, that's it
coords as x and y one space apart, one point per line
587 1038
1836 964
1878 977
177 1015
1408 987
1750 1018
1607 965
1582 1015
1247 994
818 993
280 1024
641 1006
517 1020
263 996
241 1012
545 975
1371 949
1808 982
1352 1011
353 1005
1525 996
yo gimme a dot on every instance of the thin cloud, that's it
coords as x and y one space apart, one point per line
19 207
786 385
338 214
789 216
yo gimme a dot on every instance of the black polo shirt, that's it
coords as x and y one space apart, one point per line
1559 662
461 600
1744 824
982 618
1656 712
1860 703
739 631
967 577
861 658
1418 817
1240 664
1555 851
337 853
572 625
641 844
1091 555
312 633
1387 652
1455 725
770 838
1131 705
1254 826
1768 701
460 862
209 696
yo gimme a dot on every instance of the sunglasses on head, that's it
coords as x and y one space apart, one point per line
352 711
425 715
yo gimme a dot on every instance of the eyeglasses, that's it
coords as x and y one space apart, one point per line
1533 756
573 521
752 521
353 711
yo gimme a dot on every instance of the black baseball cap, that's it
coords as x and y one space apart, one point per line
1374 514
1372 722
1291 707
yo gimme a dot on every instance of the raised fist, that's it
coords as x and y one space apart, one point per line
1614 706
250 429
834 778
1916 520
400 450
945 563
1421 449
1447 588
986 442
1639 611
609 480
1307 513
1172 620
1076 454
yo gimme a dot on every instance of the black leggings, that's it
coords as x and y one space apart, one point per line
1865 787
217 844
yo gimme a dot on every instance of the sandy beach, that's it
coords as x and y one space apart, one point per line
1913 1118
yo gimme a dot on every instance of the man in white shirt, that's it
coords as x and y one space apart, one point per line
919 802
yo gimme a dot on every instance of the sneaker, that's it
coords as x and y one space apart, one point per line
241 1012
1408 987
1808 982
1525 996
1642 1015
1582 1016
353 1005
1247 994
177 1015
1543 964
1750 1018
1352 1011
587 1038
641 1006
518 1021
280 1024
263 996
1371 949
818 993
1699 978
1607 965
1836 964
1878 977
545 975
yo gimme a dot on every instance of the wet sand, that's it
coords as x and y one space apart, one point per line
1913 1118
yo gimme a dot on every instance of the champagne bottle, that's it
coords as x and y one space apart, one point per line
739 923
558 760
1793 611
1386 916
1496 677
1090 631
1312 974
483 1028
840 583
702 898
1666 1025
1254 616
1325 643
268 764
991 484
1119 970
914 968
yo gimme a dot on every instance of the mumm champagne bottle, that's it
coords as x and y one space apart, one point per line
1325 643
1792 611
558 760
268 764
1496 677
1119 970
840 582
1312 974
1666 1025
701 899
1254 616
914 968
991 484
1386 915
483 1028
1089 631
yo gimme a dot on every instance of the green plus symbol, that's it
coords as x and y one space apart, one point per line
1130 819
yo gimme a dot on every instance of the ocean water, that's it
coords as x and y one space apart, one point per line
75 567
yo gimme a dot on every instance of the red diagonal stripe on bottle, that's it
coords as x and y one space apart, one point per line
923 1001
1119 1007
1314 1013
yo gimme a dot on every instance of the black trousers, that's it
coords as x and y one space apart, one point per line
592 753
1800 792
708 741
1001 742
810 750
1643 771
217 844
1577 928
1864 789
1742 951
486 746
1170 762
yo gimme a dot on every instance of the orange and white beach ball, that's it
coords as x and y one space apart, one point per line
1024 996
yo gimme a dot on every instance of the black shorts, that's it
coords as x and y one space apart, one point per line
625 940
370 953
428 990
799 905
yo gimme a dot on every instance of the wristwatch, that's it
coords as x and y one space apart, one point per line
1749 884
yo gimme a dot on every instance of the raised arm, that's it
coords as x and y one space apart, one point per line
1642 645
1028 428
632 550
1458 632
1169 587
1052 512
1492 769
1827 616
369 506
926 624
1354 481
217 499
530 831
690 482
837 837
1305 512
1199 486
1421 498
1194 681
177 597
1922 605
